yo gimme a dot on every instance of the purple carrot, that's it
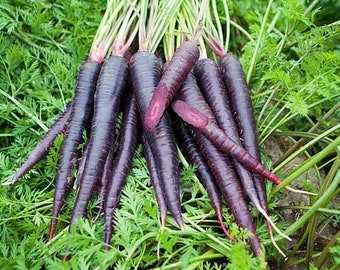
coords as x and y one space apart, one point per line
218 137
111 83
225 175
174 74
79 120
238 93
145 71
210 81
43 146
81 167
203 173
242 109
192 108
128 139
155 180
212 86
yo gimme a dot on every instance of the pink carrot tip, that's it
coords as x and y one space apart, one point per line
52 229
66 258
190 114
163 218
156 107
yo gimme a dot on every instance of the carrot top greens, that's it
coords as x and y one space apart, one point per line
153 22
289 51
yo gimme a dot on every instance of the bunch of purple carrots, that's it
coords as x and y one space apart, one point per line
170 101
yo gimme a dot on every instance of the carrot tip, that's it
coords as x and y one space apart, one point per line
66 258
263 212
9 182
106 246
52 229
300 191
163 218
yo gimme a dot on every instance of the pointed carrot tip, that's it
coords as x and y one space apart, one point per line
52 229
66 258
50 235
163 218
9 182
289 188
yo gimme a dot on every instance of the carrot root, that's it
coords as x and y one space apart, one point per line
190 114
157 107
300 191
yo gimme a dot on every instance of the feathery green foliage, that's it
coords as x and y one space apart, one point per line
295 86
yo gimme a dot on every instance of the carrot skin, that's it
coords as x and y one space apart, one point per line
218 137
210 81
195 157
145 70
111 83
129 135
191 102
79 119
155 180
173 76
225 175
43 146
191 94
221 140
81 166
107 172
242 108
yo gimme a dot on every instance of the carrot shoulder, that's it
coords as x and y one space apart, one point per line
173 76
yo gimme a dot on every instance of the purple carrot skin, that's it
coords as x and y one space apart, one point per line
197 111
130 132
81 166
155 180
242 108
203 173
238 93
218 137
225 175
111 83
43 146
173 76
190 93
105 180
212 86
210 82
79 120
145 71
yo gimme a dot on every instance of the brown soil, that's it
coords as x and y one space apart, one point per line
275 149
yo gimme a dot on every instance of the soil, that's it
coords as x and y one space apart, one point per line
275 148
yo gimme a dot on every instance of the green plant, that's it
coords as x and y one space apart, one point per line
292 64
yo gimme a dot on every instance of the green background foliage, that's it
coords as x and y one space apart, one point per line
295 88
